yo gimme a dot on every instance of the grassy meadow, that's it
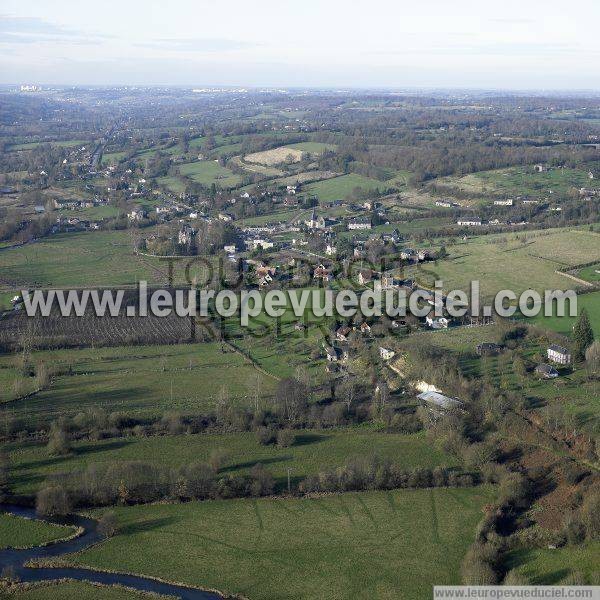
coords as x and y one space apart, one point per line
359 545
76 590
17 532
208 172
519 181
139 379
542 566
514 261
337 188
312 452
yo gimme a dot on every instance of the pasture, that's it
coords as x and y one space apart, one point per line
87 259
543 566
18 532
337 188
76 590
58 143
519 181
362 545
312 452
591 273
142 380
514 261
208 172
564 325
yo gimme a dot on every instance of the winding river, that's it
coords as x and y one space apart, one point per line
16 559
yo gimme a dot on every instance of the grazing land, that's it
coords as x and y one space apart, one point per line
75 590
544 566
516 262
141 379
360 544
208 172
312 451
518 181
16 532
342 186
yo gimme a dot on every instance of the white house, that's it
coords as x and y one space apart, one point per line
559 355
385 353
359 223
437 322
470 222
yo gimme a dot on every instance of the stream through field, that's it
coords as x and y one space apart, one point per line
16 559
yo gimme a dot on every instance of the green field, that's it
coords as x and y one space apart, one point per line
208 172
519 181
112 158
550 567
139 379
338 188
76 590
312 452
172 183
88 259
356 545
516 261
17 532
564 325
591 273
60 143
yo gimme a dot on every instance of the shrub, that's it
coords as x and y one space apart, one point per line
107 524
58 441
478 572
53 500
262 481
513 577
590 515
266 436
286 438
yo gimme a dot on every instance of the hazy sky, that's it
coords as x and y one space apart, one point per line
526 44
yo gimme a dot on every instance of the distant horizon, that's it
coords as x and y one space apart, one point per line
515 46
207 87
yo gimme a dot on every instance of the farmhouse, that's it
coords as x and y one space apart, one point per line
230 249
342 333
365 276
559 355
385 353
255 244
137 215
365 328
390 282
475 222
508 202
359 223
226 217
322 273
335 354
546 371
437 322
186 235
